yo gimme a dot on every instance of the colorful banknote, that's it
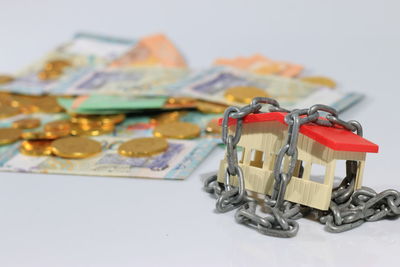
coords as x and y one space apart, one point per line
212 83
259 64
84 50
133 81
99 104
154 50
177 162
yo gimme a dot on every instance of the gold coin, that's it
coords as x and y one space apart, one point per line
320 80
99 119
33 135
7 111
28 123
56 133
210 107
112 119
91 130
213 127
46 135
4 79
48 104
18 101
180 100
244 94
29 109
57 64
46 75
75 147
167 117
5 98
9 135
58 125
143 147
36 148
178 130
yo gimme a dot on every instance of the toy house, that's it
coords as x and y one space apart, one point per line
264 134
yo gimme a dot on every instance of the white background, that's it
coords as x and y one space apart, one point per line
54 220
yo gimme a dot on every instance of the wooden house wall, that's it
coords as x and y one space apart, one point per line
268 138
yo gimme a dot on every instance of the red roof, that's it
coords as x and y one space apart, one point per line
335 138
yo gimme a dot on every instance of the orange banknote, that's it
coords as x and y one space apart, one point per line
262 65
154 50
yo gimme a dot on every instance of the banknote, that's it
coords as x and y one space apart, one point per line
131 81
110 104
177 162
154 50
98 47
260 64
144 125
210 84
84 50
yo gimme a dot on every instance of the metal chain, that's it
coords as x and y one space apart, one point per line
348 208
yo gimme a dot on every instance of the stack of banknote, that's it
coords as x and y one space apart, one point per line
137 105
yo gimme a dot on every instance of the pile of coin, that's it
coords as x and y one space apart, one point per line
53 69
143 147
62 138
4 79
13 104
67 138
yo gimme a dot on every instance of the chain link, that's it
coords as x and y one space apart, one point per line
349 208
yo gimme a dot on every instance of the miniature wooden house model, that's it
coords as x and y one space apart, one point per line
264 134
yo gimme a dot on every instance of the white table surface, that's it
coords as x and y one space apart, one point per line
56 220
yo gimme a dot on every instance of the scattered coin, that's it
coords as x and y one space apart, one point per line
48 104
244 94
4 79
91 130
57 64
29 109
5 98
53 69
210 107
7 111
178 130
49 75
37 135
213 127
320 80
167 117
75 147
58 125
55 134
98 119
143 147
28 123
114 119
180 100
36 147
9 135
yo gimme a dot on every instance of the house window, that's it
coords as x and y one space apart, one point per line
299 169
318 173
343 169
257 158
240 153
